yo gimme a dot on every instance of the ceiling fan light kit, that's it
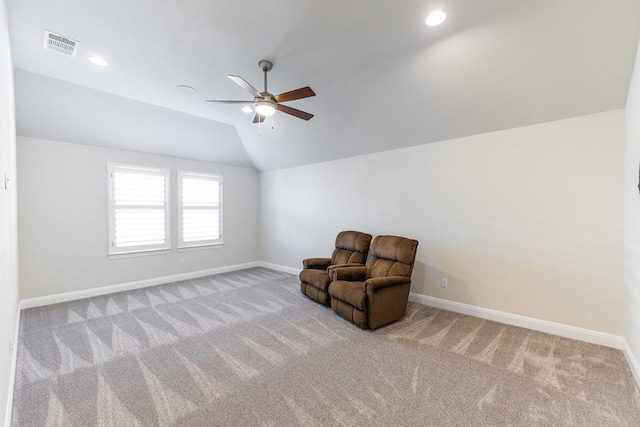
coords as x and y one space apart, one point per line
265 107
265 103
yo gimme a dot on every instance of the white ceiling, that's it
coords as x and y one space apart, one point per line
53 109
383 79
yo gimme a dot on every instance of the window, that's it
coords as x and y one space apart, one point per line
199 210
138 209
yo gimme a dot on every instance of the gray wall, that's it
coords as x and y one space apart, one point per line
527 221
632 220
62 205
8 235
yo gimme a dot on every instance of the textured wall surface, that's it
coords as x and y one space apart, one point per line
632 217
526 221
8 233
63 219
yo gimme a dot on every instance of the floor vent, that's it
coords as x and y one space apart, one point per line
61 44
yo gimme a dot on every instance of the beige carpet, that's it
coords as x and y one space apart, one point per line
247 348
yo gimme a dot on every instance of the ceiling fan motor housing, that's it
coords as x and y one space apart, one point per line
265 65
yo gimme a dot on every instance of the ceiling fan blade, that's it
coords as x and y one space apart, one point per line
294 112
258 118
213 101
245 85
303 92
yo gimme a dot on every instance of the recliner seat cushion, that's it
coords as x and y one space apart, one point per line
350 292
316 278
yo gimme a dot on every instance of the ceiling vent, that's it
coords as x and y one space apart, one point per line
61 44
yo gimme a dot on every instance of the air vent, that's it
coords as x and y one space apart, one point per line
61 44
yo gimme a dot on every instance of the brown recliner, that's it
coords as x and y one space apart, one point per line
352 248
377 294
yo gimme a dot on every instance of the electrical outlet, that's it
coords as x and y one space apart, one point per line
181 261
299 257
444 282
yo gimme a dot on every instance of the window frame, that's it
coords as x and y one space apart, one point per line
114 252
201 244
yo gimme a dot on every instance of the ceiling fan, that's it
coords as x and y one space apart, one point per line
265 103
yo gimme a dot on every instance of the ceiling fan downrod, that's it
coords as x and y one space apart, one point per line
265 66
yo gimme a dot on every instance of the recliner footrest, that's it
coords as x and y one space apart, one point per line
350 292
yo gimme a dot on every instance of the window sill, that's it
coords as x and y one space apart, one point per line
201 247
139 254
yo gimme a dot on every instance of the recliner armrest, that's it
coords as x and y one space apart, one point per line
348 272
316 263
351 264
378 283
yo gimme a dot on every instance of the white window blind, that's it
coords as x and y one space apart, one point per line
138 209
200 209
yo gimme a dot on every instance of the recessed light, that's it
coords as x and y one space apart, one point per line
98 60
436 17
186 89
247 109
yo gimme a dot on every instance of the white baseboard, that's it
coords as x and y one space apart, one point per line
282 268
632 361
559 329
12 372
553 328
567 331
104 290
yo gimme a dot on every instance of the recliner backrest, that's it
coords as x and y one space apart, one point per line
392 256
351 247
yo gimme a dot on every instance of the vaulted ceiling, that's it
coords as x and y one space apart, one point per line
383 79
